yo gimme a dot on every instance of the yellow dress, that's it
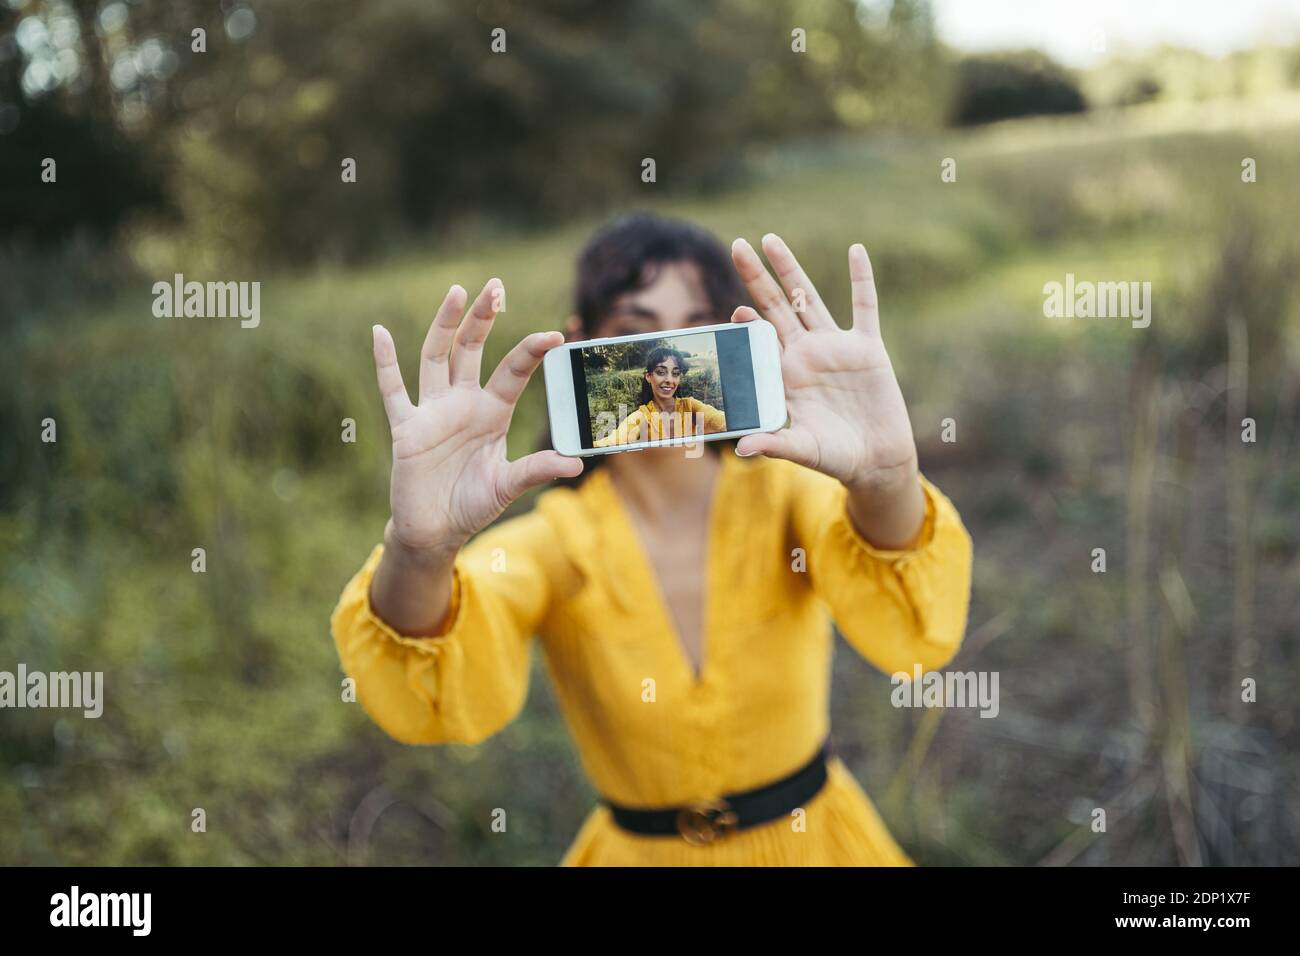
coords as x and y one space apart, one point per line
647 422
649 731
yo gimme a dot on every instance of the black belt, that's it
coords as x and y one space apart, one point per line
704 821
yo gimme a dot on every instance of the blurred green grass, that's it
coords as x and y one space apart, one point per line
223 689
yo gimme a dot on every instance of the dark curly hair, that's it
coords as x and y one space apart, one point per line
654 358
627 253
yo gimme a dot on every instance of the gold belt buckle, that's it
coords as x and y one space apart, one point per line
705 821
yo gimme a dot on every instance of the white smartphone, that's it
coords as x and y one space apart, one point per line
658 389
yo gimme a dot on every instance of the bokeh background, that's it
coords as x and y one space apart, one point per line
1094 139
615 374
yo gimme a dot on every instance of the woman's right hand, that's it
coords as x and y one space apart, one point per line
450 473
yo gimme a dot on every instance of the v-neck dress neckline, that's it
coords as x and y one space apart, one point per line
629 552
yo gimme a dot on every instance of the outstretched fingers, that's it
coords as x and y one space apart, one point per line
435 357
467 351
767 295
397 404
513 372
866 311
804 300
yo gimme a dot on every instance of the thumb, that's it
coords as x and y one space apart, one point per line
787 443
537 469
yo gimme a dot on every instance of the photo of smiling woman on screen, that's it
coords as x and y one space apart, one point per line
662 412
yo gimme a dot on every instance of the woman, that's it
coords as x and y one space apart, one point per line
661 414
681 601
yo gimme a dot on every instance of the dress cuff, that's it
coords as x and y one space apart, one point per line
447 627
897 556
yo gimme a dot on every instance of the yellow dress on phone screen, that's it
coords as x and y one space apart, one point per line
649 731
689 416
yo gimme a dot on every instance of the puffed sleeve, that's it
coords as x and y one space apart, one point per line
471 679
714 419
897 608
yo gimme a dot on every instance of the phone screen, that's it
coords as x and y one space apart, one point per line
691 383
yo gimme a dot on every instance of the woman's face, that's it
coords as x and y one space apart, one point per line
664 378
674 299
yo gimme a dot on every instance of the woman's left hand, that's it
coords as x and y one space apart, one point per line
847 414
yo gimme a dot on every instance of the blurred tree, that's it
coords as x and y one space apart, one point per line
247 140
1005 85
622 356
54 103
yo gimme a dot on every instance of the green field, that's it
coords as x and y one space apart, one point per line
223 688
